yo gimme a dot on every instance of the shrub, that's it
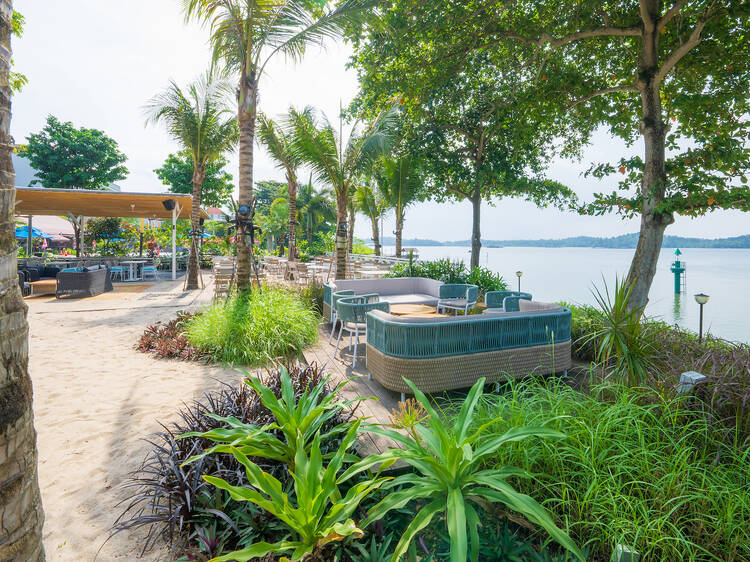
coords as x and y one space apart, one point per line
167 341
450 474
638 469
725 394
254 328
172 500
451 271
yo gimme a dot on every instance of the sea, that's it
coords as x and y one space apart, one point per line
572 274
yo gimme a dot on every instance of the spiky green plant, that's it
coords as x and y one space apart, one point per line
451 478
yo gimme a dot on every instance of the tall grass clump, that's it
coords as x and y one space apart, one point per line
634 468
254 328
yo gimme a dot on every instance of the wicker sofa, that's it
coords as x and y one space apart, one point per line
446 353
83 282
398 290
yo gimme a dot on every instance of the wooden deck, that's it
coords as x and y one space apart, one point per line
378 408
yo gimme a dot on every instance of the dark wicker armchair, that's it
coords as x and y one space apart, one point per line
88 282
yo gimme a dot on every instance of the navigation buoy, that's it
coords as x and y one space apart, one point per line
679 268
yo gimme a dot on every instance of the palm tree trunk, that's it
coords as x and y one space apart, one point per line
20 501
195 226
399 230
246 117
350 238
341 239
291 184
376 235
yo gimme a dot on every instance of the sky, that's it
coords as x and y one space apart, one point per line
97 62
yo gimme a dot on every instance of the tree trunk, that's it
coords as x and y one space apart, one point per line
350 234
341 238
20 501
654 130
399 230
291 183
247 113
376 235
195 226
476 235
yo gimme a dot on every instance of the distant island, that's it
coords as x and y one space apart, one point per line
625 241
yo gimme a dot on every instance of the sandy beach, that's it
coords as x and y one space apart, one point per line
95 400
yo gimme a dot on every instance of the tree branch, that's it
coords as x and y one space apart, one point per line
648 20
604 91
671 13
681 51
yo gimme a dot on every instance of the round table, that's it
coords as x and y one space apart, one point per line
414 310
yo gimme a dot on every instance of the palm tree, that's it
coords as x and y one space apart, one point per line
20 501
202 122
279 144
400 184
340 163
371 204
315 208
245 36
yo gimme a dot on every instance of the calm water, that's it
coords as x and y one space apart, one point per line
568 274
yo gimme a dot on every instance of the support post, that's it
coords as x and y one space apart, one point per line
81 222
29 241
175 214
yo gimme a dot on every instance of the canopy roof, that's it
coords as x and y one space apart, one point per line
93 203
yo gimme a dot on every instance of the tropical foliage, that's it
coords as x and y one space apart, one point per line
200 120
451 477
451 271
245 36
177 172
399 185
635 468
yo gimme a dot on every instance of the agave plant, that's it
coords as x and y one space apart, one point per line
316 514
298 418
450 476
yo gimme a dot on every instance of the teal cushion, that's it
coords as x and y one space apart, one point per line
72 269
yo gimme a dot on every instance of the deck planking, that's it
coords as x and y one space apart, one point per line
380 403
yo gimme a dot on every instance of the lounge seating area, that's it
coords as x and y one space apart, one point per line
81 282
514 336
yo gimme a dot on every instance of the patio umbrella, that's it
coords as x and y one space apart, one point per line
23 232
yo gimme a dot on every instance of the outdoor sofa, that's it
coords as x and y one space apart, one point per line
445 353
79 282
396 290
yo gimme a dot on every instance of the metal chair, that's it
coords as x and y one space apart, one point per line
457 296
119 271
334 317
149 271
352 313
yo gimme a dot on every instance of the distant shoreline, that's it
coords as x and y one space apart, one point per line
625 241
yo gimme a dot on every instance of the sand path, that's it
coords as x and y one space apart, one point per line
95 399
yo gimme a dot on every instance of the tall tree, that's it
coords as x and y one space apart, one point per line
675 74
66 157
400 184
339 162
266 191
316 208
202 122
280 145
20 500
373 206
178 170
245 36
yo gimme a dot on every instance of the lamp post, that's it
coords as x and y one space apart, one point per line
701 299
518 274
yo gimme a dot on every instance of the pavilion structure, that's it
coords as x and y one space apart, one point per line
78 204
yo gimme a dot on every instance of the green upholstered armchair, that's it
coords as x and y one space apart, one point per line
495 299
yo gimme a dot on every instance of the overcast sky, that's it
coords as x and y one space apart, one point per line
97 62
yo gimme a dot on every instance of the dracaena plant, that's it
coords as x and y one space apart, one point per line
450 476
298 418
316 514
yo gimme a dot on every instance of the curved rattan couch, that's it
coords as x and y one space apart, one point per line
446 353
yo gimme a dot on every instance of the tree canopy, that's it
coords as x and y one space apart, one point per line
66 157
177 173
676 74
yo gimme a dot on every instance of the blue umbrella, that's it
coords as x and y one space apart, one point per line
23 232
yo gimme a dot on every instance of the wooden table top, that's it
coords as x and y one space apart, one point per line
414 310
